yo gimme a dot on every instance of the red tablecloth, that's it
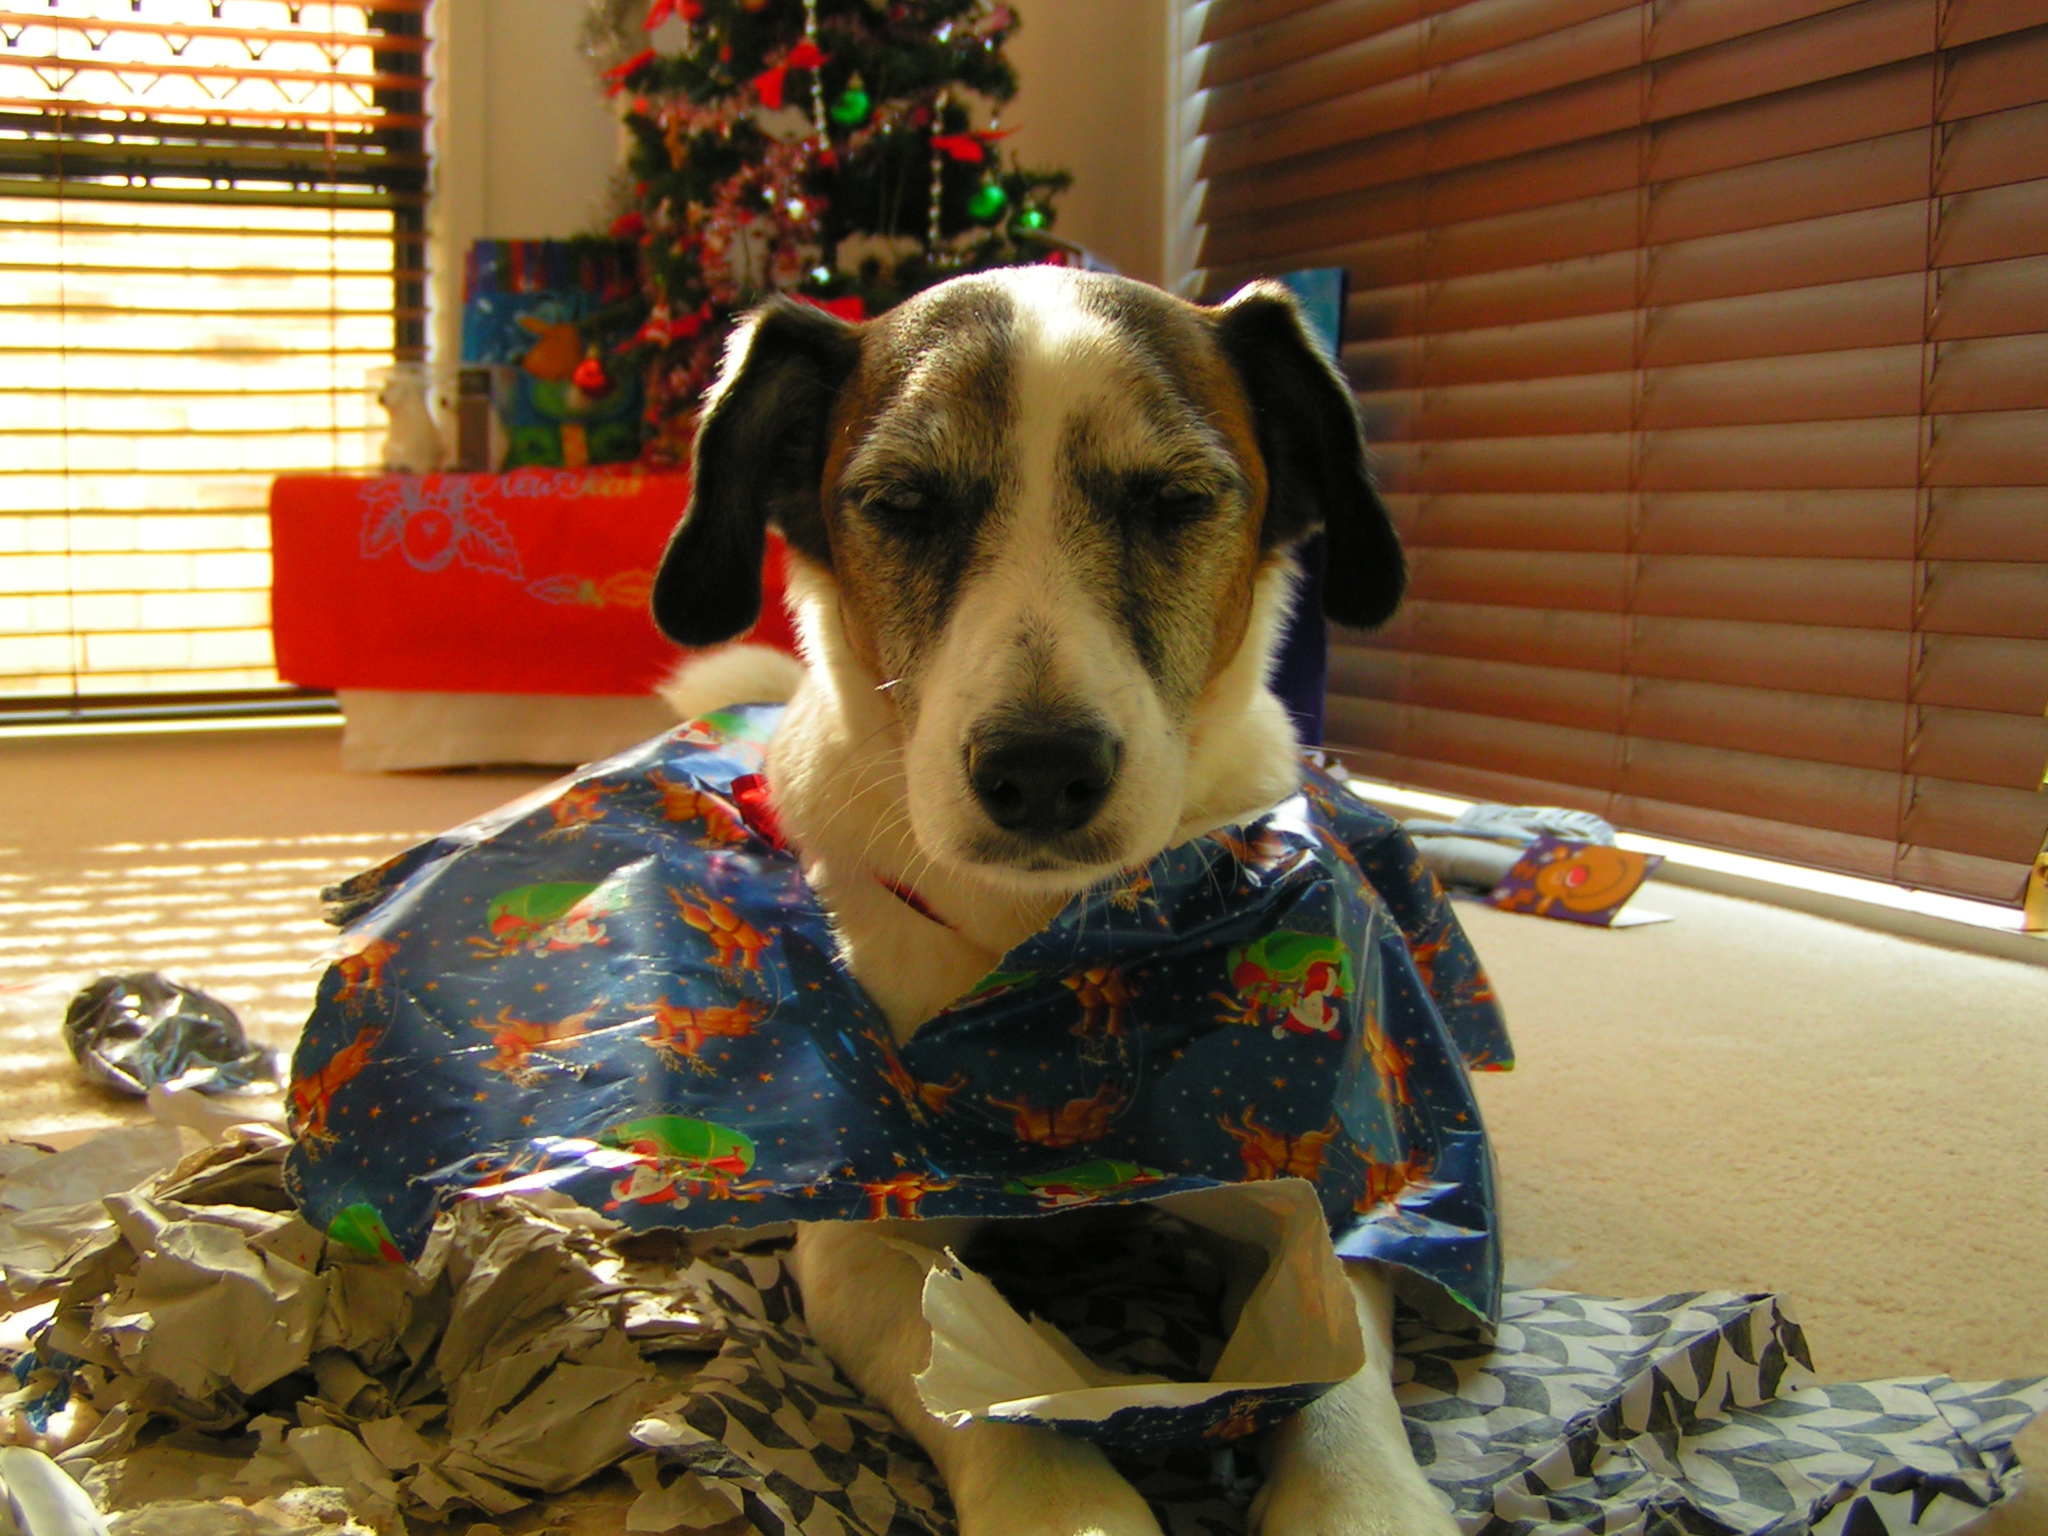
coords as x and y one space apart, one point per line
531 582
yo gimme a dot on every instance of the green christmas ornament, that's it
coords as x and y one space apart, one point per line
989 199
851 109
1031 218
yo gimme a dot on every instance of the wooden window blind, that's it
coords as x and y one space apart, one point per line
1705 348
211 232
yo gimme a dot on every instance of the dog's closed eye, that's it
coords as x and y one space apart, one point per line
1152 501
918 504
900 508
1174 506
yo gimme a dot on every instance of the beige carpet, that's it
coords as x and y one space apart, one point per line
201 856
1743 1098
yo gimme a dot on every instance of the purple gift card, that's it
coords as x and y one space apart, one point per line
1575 881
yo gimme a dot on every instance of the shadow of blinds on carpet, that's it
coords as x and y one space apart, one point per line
212 232
1704 347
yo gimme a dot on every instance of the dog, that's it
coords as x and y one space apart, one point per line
1040 525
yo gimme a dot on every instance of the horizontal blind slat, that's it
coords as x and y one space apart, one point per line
1962 745
1445 38
1825 524
1997 673
1295 31
1229 18
1971 819
1837 42
102 27
1583 250
207 231
1837 592
1494 158
1984 672
1962 597
1872 858
1602 46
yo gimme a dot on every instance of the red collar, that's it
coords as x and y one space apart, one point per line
750 794
912 900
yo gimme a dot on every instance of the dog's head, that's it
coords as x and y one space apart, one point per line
1055 511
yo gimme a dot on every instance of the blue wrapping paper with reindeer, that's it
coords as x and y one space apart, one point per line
620 988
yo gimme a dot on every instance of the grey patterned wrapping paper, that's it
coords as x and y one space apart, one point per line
1694 1414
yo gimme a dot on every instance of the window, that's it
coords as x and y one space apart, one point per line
1705 345
211 233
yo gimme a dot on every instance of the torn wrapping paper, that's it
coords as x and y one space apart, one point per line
37 1498
132 1032
50 1210
1295 1336
511 1362
219 1299
623 990
1583 1417
297 1512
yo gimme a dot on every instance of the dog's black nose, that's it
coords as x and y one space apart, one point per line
1043 782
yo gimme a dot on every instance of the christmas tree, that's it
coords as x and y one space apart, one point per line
844 151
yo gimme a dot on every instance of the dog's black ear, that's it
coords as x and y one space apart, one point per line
1314 446
759 458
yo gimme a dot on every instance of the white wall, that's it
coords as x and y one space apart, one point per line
1091 97
524 142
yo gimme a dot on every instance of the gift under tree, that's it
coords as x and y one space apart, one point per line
844 151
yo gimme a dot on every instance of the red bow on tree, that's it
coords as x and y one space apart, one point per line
682 10
615 78
656 329
769 82
971 147
849 307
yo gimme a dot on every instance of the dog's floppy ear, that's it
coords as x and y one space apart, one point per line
1314 446
759 458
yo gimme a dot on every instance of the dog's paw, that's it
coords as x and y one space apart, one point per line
1043 1511
1017 1480
1306 1500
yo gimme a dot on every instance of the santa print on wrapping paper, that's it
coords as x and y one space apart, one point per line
1292 981
678 1159
548 917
